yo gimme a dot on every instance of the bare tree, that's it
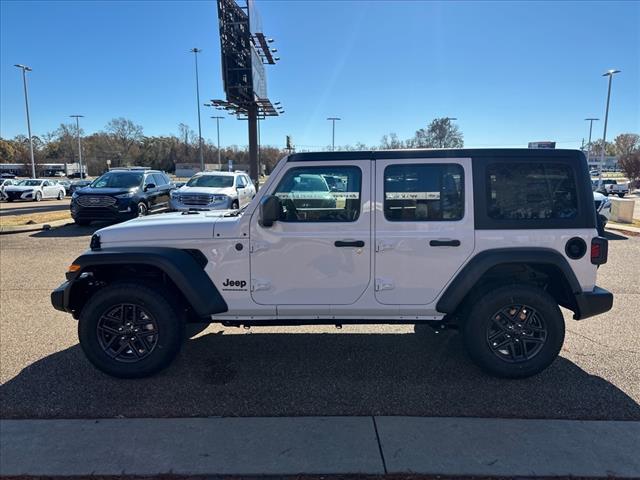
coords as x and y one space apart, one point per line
391 142
627 143
124 134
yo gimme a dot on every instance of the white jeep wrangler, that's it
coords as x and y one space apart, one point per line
488 241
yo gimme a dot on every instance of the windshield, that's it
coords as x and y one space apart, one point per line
310 183
30 183
118 180
212 181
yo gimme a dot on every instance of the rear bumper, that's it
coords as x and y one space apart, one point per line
593 303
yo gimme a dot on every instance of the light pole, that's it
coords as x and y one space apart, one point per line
26 69
195 52
218 131
333 131
610 74
590 120
78 117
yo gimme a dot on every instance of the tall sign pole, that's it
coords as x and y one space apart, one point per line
195 52
252 117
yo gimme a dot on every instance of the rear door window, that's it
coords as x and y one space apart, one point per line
424 192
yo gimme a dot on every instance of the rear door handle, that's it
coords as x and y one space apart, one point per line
444 243
349 243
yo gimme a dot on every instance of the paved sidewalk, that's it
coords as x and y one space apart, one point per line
320 445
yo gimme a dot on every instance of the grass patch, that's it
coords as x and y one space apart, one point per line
33 218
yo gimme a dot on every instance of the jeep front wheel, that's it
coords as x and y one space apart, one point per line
514 331
130 330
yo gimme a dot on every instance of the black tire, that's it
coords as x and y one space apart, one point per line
60 195
37 197
143 210
621 195
81 223
489 318
235 205
193 329
145 308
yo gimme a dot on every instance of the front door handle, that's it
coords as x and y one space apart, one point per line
444 243
349 243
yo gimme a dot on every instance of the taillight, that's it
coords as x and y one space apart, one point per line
599 250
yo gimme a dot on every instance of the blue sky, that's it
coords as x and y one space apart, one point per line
511 72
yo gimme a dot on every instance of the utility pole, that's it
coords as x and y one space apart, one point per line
26 69
610 74
590 120
78 117
333 132
195 52
218 130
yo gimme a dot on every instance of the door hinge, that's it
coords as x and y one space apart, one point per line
382 245
259 284
384 284
257 246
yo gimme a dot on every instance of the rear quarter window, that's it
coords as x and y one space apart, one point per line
531 191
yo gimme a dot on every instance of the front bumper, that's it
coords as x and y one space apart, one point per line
19 195
60 297
593 303
122 210
178 206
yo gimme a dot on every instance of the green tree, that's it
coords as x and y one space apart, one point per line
440 133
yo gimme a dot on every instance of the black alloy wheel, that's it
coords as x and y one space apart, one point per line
127 332
516 333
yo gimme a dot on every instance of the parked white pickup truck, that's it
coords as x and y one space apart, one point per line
614 187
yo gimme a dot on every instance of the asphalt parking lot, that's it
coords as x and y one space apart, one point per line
295 371
23 208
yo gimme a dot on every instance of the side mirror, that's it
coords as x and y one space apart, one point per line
270 210
149 186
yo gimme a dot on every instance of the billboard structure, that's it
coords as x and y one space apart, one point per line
245 51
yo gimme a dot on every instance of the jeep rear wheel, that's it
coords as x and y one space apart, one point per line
514 331
130 330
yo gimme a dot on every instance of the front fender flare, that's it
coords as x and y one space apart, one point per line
183 268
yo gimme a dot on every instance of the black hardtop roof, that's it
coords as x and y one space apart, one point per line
436 153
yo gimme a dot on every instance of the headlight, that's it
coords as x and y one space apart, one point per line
28 191
125 195
220 198
74 195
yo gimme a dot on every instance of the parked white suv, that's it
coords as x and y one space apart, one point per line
214 191
488 241
34 189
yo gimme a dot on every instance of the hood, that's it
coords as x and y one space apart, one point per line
162 227
19 188
207 190
102 191
599 197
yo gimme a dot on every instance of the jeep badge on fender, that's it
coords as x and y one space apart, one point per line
490 242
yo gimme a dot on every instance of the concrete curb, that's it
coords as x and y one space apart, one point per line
622 227
320 445
35 227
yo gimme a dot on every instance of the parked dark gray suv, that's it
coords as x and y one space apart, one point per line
121 194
